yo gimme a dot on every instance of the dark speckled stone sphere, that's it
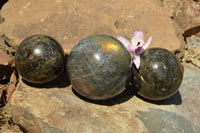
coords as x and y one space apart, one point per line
159 75
98 67
39 59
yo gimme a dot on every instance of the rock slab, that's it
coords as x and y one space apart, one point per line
72 20
53 108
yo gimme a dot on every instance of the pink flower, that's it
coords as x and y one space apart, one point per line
137 46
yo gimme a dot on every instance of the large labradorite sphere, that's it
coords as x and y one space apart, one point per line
39 59
98 67
159 75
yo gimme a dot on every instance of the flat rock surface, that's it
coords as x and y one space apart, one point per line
72 20
55 107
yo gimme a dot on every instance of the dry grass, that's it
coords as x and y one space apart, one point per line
5 117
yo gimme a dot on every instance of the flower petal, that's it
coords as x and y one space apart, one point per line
147 43
136 61
124 41
138 36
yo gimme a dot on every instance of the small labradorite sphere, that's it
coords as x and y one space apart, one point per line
39 59
98 67
160 74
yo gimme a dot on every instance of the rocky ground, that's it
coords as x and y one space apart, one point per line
58 109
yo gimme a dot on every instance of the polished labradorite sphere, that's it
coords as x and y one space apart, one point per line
98 67
159 75
39 59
